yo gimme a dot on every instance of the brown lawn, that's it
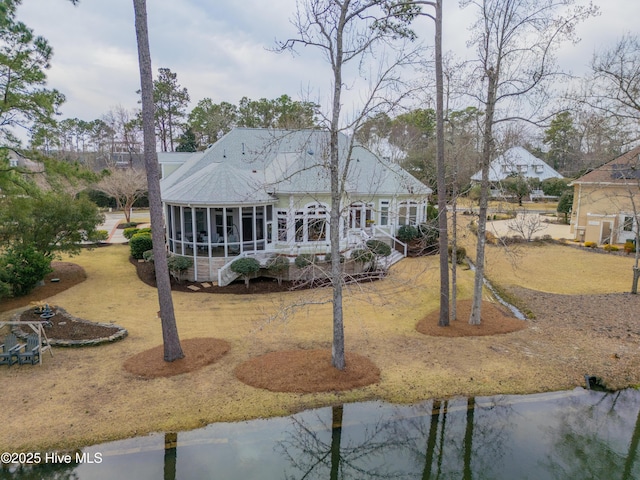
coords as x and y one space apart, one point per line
89 395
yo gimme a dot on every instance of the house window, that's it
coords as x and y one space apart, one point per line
539 168
522 168
282 225
384 212
627 224
407 213
317 229
311 223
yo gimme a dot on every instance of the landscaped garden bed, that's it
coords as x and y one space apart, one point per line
65 330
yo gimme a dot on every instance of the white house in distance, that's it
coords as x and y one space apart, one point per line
516 161
259 192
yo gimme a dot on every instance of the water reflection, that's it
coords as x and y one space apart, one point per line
566 435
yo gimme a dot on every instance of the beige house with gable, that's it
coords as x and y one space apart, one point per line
606 201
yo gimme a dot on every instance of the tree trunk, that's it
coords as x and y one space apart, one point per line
454 255
172 347
487 152
337 347
443 241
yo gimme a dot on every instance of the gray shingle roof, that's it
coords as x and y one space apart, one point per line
247 163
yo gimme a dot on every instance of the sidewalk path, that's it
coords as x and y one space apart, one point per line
111 221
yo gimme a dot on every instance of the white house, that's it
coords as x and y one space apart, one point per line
259 192
516 161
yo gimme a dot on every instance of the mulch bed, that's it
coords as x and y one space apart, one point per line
198 353
306 371
493 321
65 327
146 273
68 275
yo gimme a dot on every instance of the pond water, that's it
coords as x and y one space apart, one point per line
582 434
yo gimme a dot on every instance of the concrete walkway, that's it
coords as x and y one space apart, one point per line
111 221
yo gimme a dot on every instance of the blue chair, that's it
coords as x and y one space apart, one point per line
31 352
10 350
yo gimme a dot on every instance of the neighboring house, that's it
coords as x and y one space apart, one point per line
516 161
17 160
257 192
606 201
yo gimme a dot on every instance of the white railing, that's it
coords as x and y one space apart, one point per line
377 230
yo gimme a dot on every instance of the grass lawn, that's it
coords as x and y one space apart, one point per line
84 396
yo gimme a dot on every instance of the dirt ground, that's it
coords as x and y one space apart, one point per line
86 396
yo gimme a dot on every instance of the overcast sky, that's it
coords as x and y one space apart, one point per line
219 48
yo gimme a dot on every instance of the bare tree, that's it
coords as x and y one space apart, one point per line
526 224
172 347
515 40
126 185
349 32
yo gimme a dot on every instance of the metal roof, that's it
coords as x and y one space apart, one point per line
248 165
509 162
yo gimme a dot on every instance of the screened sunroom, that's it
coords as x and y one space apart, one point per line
259 192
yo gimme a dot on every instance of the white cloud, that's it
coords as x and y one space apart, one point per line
219 49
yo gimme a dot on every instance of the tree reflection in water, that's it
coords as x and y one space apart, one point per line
315 450
563 435
591 437
463 439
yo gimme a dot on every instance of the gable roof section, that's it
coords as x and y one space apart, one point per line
247 165
622 170
511 161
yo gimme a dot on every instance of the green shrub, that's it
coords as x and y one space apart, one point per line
432 212
148 256
129 232
98 236
406 233
277 266
610 248
629 246
140 243
461 254
304 260
379 248
590 244
178 265
362 255
245 267
5 289
22 268
126 225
